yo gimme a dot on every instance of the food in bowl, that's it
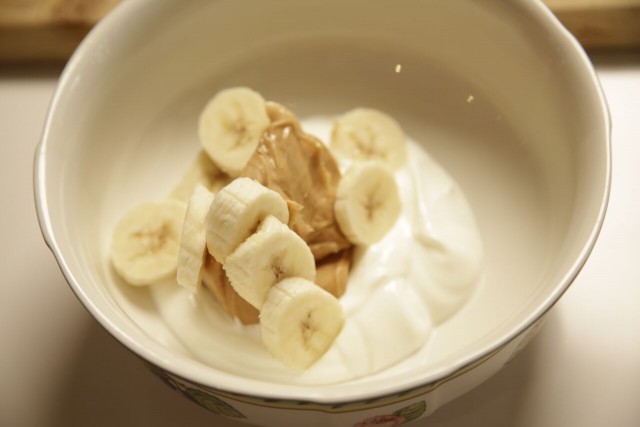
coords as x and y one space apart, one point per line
393 233
496 92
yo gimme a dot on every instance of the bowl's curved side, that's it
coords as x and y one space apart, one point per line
406 406
521 335
513 343
48 167
603 114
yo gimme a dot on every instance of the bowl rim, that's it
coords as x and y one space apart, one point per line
263 389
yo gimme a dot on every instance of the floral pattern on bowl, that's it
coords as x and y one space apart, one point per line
401 416
201 397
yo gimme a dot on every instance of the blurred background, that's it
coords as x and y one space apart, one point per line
49 30
58 367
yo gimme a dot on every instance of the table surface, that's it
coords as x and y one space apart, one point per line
58 367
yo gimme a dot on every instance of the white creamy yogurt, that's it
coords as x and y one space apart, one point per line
399 290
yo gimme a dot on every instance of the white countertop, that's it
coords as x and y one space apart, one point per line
58 367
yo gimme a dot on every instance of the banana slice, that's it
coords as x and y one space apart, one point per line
368 134
193 244
230 127
299 322
202 171
146 240
367 202
236 212
271 254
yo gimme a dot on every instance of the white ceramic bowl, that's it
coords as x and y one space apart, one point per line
497 92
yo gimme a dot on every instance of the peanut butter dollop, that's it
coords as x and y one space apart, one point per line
214 278
299 167
332 274
302 170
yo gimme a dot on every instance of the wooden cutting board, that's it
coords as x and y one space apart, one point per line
49 30
601 24
46 30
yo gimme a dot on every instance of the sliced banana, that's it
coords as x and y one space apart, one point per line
299 322
236 212
230 127
271 254
146 240
193 244
201 172
368 134
367 202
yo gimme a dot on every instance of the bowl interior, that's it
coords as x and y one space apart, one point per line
493 90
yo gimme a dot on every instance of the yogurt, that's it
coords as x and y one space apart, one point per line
399 291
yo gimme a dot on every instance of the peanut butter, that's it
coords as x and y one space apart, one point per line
299 167
332 274
214 278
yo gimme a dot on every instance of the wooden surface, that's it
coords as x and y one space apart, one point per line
46 30
49 30
601 24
